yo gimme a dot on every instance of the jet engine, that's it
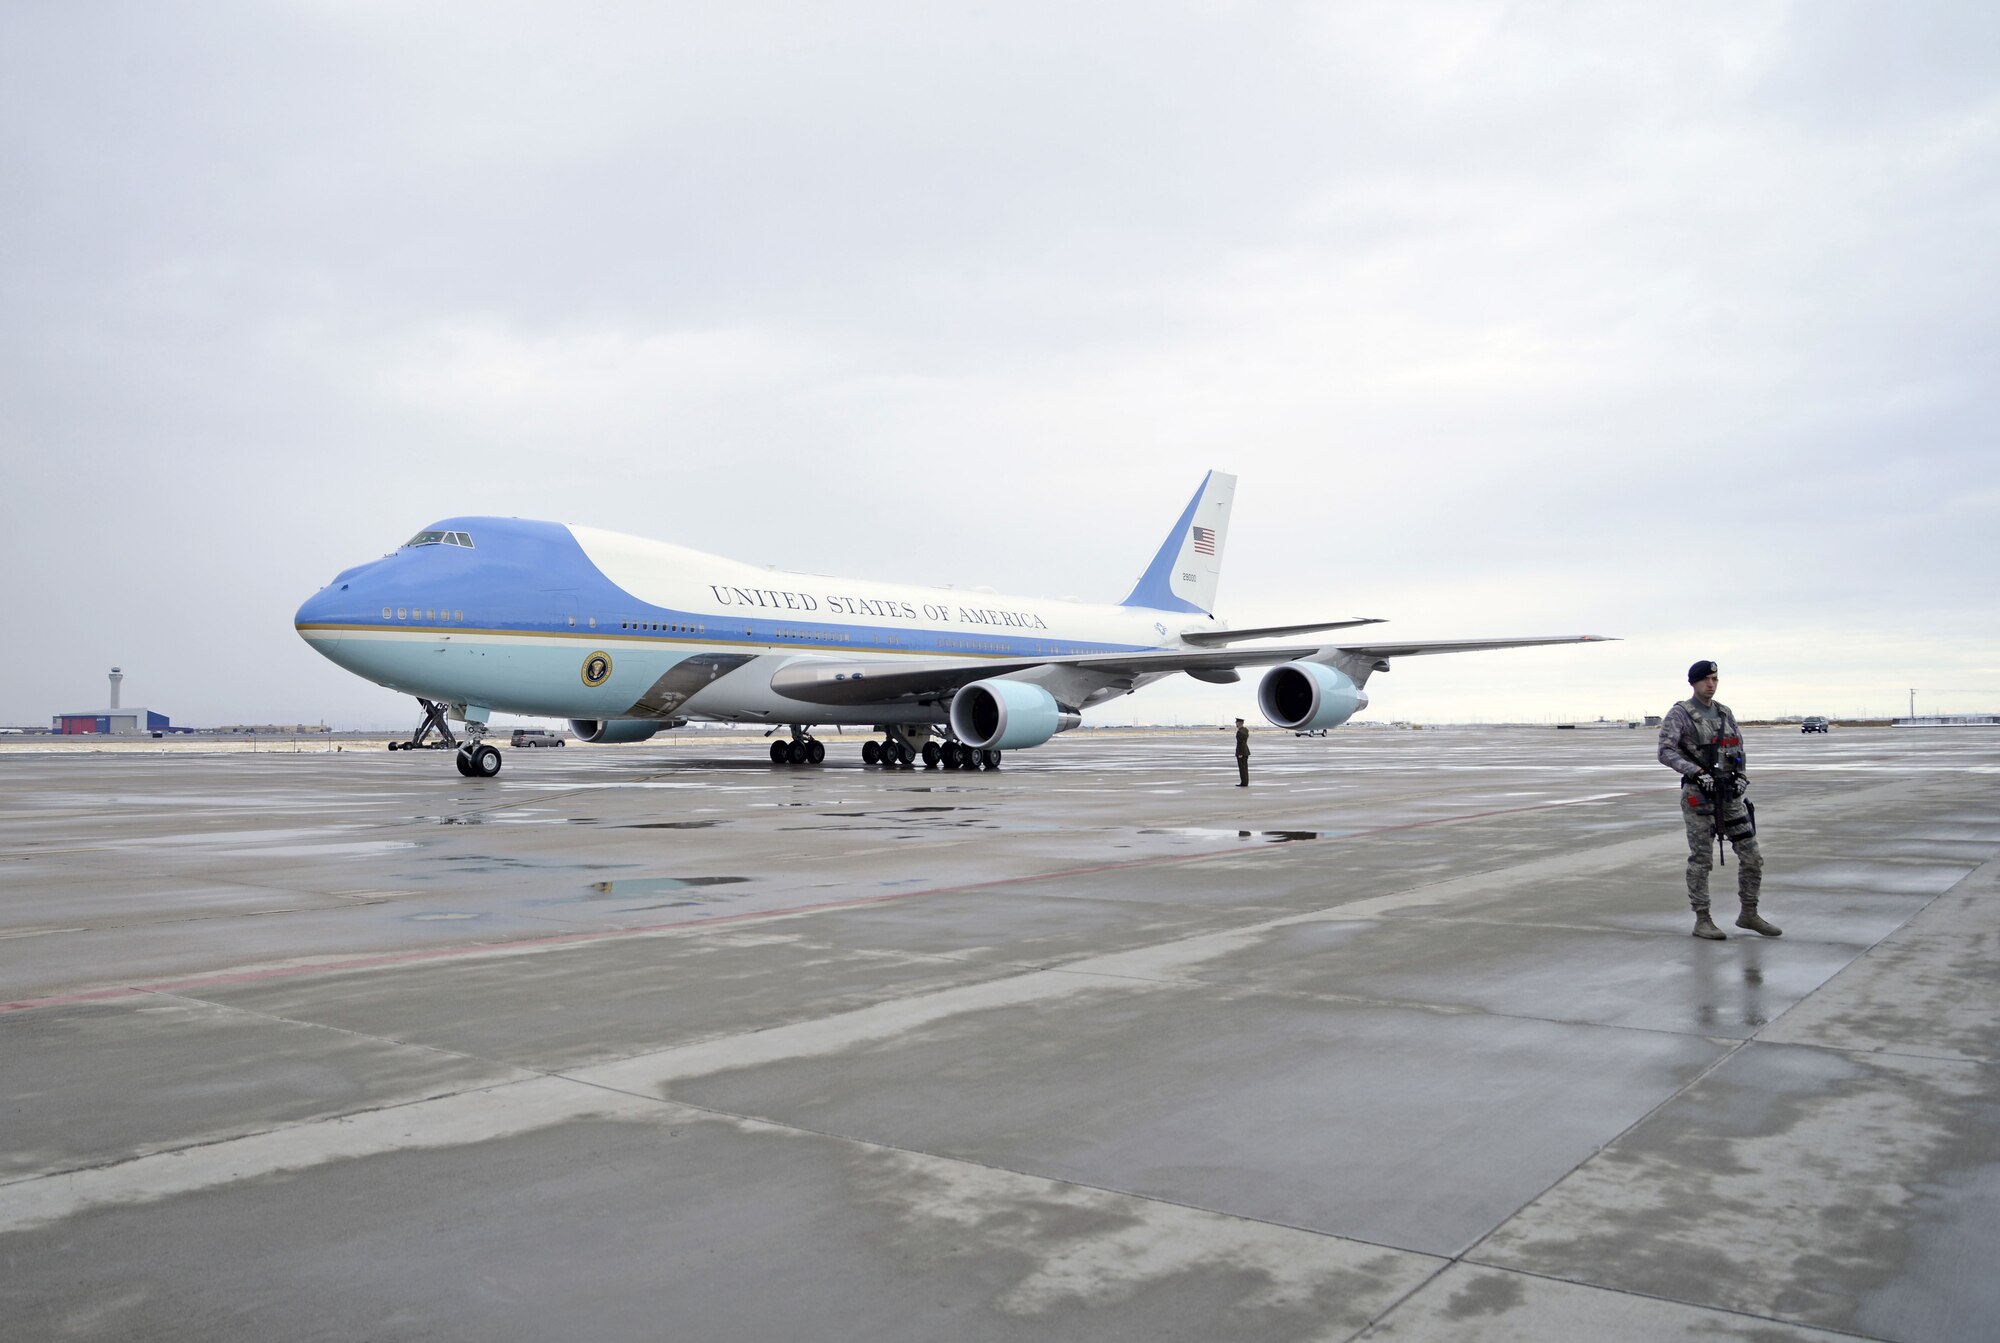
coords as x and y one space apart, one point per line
620 729
1307 696
1003 715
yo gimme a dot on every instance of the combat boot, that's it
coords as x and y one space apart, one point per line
1704 926
1755 922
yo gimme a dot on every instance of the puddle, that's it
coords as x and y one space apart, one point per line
505 818
1261 836
670 825
630 886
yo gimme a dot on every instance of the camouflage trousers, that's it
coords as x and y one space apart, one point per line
1701 857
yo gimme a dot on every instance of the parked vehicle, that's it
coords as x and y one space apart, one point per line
536 736
1813 724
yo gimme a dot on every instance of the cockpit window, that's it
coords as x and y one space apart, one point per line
441 539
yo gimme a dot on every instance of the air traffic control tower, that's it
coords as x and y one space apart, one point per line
114 721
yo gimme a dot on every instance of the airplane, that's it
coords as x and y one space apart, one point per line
626 637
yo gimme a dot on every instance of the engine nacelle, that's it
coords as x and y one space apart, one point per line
1307 696
620 729
1002 715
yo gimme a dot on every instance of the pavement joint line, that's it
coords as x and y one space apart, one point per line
351 1033
1735 1047
1738 1312
223 1140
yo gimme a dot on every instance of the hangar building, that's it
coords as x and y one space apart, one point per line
114 721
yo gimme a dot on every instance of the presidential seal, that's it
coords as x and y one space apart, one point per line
596 669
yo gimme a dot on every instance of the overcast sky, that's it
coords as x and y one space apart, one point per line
1670 322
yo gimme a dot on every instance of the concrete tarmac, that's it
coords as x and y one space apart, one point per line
1408 1040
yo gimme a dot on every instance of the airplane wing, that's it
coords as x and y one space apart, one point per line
826 681
832 681
1410 650
1213 638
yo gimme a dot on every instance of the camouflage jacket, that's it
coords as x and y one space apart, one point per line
1683 734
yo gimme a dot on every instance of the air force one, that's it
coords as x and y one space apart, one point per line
625 637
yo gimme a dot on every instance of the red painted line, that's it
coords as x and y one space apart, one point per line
224 979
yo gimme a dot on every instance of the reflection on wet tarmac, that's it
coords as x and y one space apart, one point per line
653 885
1261 836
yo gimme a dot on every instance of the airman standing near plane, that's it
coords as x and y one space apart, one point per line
1242 754
1701 742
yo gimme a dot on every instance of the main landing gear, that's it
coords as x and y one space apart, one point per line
802 749
897 751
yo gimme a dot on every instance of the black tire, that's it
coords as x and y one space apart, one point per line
871 752
395 746
777 753
815 752
933 753
795 752
485 761
464 763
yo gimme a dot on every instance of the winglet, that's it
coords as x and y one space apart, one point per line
1184 574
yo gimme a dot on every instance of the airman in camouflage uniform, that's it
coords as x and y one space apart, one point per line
1242 754
1700 741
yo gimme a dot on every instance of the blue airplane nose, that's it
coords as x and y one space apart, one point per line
320 610
340 602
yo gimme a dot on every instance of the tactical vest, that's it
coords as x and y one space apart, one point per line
1723 735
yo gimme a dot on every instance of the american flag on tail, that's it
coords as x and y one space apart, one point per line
1204 541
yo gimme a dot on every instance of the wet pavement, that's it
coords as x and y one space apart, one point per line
1408 1040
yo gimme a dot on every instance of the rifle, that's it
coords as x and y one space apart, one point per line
1722 761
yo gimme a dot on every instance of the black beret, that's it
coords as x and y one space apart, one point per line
1701 671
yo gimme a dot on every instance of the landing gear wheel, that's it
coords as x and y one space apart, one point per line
778 752
815 752
871 752
895 755
485 762
464 762
795 752
993 760
954 755
933 753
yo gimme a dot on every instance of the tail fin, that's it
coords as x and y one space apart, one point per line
1183 576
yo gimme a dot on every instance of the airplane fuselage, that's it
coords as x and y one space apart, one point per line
541 618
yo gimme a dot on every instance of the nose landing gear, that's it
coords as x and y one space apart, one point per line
481 761
477 759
